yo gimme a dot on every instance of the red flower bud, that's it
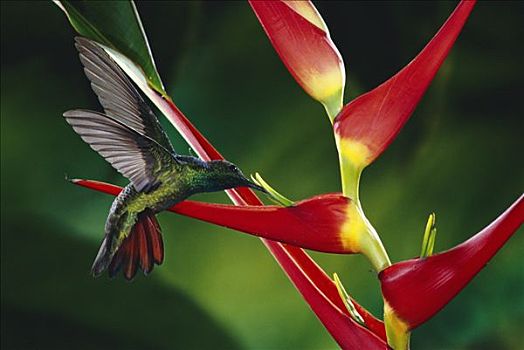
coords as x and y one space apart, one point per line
301 39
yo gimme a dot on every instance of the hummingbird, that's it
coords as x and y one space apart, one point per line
129 136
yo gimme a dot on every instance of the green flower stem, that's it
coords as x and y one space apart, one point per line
370 243
371 246
350 177
333 106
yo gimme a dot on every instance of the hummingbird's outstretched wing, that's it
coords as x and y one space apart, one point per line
135 155
116 93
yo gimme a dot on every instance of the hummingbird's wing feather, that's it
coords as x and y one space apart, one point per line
136 156
116 93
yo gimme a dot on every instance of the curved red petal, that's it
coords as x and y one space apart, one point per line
374 119
417 289
314 223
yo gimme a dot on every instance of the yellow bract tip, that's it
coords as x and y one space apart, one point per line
309 12
325 86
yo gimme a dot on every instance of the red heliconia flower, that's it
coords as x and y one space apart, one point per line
417 289
413 290
301 38
367 125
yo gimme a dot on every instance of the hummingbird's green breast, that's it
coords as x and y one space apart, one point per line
176 184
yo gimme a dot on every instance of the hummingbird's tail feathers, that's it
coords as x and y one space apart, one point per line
142 249
102 260
157 244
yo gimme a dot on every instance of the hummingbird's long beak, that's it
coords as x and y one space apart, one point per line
255 186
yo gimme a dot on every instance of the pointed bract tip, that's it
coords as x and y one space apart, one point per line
72 180
374 119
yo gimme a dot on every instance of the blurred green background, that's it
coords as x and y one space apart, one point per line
460 156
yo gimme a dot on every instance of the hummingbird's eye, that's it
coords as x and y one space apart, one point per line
233 168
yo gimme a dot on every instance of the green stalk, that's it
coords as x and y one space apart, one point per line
333 106
370 243
350 177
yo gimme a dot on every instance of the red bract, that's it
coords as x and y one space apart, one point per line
417 289
301 39
366 126
301 271
314 223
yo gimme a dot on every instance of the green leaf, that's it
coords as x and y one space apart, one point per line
117 25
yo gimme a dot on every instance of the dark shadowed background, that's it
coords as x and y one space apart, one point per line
460 156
